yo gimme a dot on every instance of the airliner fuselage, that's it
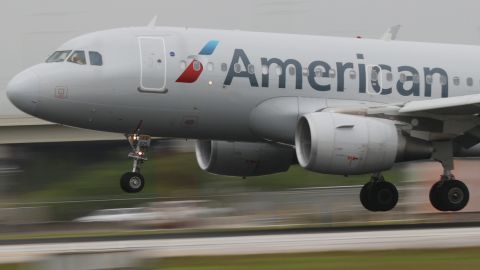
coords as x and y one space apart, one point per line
260 102
139 79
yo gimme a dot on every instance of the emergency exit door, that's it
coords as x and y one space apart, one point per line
153 64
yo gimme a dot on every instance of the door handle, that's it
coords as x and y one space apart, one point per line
151 90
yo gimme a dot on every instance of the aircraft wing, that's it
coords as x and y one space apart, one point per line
463 105
464 127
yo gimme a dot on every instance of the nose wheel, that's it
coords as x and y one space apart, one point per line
134 182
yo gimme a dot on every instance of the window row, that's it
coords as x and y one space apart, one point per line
77 57
332 73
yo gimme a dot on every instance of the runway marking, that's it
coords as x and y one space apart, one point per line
263 244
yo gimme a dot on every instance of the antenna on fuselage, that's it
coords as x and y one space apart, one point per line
391 33
153 22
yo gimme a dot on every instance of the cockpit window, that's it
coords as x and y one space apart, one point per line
58 56
78 57
95 59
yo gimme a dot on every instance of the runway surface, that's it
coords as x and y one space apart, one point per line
423 238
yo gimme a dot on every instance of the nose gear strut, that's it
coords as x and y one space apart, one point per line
133 182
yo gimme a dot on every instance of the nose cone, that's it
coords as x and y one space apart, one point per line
23 90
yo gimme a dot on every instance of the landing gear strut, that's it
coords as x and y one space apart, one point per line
448 194
133 182
378 194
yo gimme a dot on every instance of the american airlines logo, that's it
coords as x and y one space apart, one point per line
370 77
408 84
195 68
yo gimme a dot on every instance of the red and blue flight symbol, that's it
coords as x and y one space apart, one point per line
195 69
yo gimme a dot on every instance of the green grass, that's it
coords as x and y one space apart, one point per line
167 175
458 259
445 259
179 175
11 267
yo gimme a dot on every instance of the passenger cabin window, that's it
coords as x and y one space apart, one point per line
416 79
374 75
456 80
251 69
183 65
237 68
332 73
470 81
78 57
291 70
197 66
429 79
95 59
389 76
224 67
264 69
353 74
279 70
305 72
58 56
443 80
210 66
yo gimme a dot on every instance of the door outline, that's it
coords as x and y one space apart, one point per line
142 88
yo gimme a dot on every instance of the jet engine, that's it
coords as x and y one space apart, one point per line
343 144
243 159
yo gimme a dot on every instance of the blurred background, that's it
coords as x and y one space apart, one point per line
57 181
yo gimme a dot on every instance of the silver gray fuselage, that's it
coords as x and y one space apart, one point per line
108 97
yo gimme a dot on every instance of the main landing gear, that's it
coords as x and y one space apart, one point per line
133 182
448 194
378 194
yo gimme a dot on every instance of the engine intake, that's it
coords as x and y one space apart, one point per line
344 144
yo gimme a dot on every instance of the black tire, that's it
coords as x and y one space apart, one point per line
435 198
379 196
453 195
383 196
364 196
132 182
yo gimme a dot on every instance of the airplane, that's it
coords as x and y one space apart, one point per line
257 103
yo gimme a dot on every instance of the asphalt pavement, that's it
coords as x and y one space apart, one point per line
374 238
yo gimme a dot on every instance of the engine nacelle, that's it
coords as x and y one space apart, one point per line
344 144
243 159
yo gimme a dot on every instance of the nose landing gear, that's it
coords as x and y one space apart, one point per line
134 182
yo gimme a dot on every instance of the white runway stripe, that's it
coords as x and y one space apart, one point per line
281 243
